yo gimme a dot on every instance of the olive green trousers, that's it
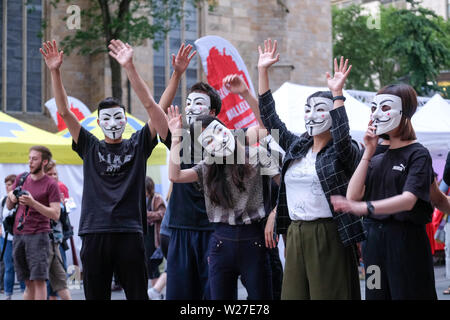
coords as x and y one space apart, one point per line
318 266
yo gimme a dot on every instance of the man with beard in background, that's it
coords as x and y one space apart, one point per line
37 196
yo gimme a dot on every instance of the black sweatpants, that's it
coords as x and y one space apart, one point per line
123 254
399 254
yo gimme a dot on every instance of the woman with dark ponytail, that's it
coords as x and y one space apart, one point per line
231 176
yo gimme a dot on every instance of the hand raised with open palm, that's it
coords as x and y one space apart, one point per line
269 56
175 123
181 61
53 58
122 52
341 72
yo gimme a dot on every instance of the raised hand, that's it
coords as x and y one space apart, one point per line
336 84
269 56
181 61
175 123
53 58
235 84
122 52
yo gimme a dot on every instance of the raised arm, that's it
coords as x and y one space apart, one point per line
267 58
175 173
236 84
267 110
180 62
54 59
336 83
123 53
347 151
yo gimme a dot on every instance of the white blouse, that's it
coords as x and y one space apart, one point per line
305 197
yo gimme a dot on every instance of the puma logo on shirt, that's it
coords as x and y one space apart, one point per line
400 168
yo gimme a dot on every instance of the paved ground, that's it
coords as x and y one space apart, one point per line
441 284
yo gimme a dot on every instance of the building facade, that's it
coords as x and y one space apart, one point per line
302 28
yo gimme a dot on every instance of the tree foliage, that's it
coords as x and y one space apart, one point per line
407 45
132 21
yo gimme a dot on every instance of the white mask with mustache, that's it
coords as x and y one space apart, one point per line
388 120
217 140
113 122
197 104
317 115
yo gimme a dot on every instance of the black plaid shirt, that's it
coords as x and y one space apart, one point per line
335 165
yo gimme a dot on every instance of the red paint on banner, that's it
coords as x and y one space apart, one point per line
61 125
235 111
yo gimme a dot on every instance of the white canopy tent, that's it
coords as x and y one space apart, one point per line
432 126
17 137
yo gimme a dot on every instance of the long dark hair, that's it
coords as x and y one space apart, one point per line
218 186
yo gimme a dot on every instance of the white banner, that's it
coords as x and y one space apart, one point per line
220 59
76 106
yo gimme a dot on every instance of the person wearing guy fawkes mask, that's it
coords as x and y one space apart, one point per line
113 212
187 265
392 190
234 201
321 255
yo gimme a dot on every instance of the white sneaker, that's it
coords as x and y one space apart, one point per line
154 295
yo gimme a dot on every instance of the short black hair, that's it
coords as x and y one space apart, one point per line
110 102
216 102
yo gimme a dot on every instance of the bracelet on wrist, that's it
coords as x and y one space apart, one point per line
335 98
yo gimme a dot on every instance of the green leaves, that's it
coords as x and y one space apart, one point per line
132 21
410 46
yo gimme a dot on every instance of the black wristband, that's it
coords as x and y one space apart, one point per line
370 209
339 98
